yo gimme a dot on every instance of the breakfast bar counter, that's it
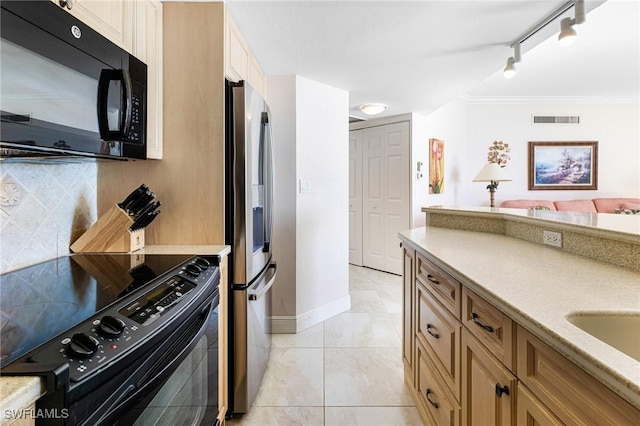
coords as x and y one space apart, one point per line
541 287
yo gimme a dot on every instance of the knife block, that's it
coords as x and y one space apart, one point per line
110 234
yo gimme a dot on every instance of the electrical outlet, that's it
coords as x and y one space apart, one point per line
552 238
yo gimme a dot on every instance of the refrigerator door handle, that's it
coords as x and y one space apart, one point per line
269 171
270 279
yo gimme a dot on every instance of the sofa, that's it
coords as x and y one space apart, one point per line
596 205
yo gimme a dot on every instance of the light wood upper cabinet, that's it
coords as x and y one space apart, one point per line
148 48
111 18
240 64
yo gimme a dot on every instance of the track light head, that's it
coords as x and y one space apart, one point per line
510 69
567 33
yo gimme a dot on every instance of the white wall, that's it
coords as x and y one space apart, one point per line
469 128
312 228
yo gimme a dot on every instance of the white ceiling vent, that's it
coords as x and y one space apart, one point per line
555 119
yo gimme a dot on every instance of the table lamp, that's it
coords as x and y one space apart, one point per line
492 173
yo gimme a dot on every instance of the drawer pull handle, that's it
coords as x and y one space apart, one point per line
501 390
435 404
430 329
474 318
432 279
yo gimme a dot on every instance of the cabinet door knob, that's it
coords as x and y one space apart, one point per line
429 393
501 390
474 318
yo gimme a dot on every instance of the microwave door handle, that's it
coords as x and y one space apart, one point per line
106 77
269 178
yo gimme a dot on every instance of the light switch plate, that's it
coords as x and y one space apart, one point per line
305 186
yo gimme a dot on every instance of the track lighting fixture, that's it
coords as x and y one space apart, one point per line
566 37
567 34
510 70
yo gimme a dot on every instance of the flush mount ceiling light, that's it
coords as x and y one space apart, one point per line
372 109
567 32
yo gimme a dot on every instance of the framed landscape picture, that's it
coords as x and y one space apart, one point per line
563 165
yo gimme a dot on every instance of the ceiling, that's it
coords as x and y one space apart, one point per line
415 56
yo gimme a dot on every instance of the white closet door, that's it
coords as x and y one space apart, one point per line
373 245
397 194
355 197
386 195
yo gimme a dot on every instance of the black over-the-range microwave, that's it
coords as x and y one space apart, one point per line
65 89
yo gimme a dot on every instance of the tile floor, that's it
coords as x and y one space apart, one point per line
346 371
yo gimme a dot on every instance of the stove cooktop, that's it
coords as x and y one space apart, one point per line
41 301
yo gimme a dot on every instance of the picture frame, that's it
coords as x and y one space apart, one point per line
563 165
436 166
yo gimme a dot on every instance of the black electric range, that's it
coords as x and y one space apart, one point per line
39 302
106 331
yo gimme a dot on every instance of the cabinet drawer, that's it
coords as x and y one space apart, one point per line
434 394
440 333
494 329
585 401
444 287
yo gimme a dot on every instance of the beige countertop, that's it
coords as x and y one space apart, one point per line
539 287
18 393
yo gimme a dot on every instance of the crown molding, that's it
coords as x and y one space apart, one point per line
554 100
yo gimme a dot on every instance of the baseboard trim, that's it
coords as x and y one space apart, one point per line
292 325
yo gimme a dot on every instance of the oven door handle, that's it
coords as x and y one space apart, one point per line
270 279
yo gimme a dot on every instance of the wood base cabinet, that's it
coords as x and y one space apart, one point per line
584 401
468 364
407 310
433 393
532 412
488 387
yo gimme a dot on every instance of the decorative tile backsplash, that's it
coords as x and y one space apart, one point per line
43 208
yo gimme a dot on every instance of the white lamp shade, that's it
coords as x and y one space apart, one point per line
491 172
372 109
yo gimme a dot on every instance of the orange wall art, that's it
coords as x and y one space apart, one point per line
436 166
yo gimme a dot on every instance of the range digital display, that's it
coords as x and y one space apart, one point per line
151 306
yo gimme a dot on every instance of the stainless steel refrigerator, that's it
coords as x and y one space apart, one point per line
249 228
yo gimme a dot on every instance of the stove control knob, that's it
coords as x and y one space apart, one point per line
203 263
193 270
111 326
83 345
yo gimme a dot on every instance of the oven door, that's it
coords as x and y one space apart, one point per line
65 89
183 388
176 382
190 394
